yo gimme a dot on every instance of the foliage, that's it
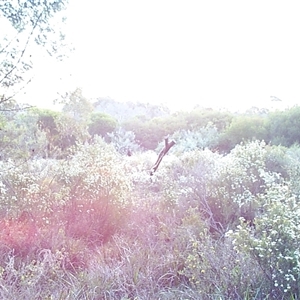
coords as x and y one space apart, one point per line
276 160
189 140
21 137
25 22
283 127
124 111
222 187
243 128
124 141
24 14
93 171
83 197
274 244
147 135
46 120
101 124
214 268
286 162
44 277
93 224
292 167
48 123
39 133
202 117
276 128
77 105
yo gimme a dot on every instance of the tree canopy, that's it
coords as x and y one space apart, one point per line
28 24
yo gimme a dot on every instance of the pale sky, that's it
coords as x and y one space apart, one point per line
180 53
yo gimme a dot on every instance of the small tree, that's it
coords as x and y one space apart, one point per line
101 124
243 128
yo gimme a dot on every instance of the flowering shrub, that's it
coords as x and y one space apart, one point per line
190 140
96 225
209 266
85 195
28 185
274 243
95 171
224 188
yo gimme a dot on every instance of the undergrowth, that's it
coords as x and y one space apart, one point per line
96 226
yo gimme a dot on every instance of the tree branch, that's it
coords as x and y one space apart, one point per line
162 153
23 51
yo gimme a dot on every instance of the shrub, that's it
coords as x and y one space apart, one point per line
224 188
101 124
85 196
19 235
124 141
274 243
189 140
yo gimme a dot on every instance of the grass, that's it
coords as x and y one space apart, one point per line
150 257
152 240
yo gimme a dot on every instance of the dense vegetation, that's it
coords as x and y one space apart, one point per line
81 218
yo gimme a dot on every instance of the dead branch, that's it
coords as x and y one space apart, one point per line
162 153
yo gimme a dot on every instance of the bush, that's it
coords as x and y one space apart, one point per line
224 188
124 141
274 244
214 268
243 129
95 225
189 140
101 124
84 196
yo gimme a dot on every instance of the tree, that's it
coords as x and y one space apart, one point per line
243 128
22 137
27 24
73 123
101 124
77 105
149 133
283 127
201 117
47 122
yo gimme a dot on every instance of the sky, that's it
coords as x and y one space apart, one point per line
227 54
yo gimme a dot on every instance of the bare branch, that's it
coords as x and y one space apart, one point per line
163 152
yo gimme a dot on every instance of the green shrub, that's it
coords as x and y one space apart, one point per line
216 271
243 129
274 243
101 124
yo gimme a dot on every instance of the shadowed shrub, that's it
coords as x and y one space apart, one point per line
19 234
91 221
